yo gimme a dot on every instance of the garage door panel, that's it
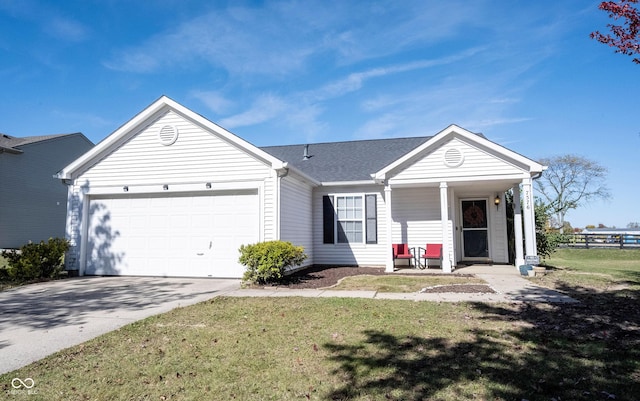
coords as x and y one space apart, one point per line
179 235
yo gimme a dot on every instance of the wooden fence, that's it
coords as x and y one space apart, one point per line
597 240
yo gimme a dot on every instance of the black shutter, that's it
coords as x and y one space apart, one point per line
372 219
328 219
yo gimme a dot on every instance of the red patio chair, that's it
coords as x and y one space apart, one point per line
432 251
402 251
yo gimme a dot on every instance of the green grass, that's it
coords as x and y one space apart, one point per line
401 283
364 349
618 262
595 268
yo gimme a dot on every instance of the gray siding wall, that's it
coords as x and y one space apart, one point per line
33 204
296 215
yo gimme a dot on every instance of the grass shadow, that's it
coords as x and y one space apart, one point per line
580 351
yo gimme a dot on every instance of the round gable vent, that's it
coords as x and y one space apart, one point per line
453 157
168 135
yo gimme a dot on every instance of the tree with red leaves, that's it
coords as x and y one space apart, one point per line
625 37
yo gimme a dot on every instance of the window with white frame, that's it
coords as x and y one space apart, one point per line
349 215
350 218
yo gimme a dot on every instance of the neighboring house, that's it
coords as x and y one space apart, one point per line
33 205
173 194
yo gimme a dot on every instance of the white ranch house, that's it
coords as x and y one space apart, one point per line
172 194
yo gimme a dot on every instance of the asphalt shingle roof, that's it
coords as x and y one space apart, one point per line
345 161
13 143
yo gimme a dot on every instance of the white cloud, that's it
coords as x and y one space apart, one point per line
283 37
79 119
265 108
304 121
67 29
239 40
355 81
379 127
213 100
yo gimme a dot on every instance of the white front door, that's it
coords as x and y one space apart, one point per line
475 229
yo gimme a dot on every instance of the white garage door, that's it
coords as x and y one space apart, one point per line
180 235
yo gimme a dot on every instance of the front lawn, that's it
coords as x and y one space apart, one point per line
367 349
339 349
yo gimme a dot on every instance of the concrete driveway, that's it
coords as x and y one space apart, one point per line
40 319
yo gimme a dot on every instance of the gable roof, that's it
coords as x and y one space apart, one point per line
349 161
12 144
130 128
455 131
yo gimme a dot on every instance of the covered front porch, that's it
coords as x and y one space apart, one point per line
468 218
451 191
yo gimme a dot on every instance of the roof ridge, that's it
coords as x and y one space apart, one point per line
350 141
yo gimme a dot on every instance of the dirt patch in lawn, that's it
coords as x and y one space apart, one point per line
460 288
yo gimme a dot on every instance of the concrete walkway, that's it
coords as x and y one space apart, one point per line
506 281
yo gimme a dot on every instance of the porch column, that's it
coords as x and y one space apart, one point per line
529 218
387 206
444 220
517 226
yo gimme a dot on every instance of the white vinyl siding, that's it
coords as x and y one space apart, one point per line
197 156
477 163
498 249
361 254
296 215
416 217
269 212
74 227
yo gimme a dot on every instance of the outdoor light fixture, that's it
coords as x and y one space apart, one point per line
208 185
496 201
125 188
165 187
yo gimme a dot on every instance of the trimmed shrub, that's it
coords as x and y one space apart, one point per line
266 261
37 261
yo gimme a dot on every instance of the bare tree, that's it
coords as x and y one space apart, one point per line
569 182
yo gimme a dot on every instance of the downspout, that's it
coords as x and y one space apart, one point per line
280 174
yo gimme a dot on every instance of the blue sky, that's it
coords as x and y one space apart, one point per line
524 73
